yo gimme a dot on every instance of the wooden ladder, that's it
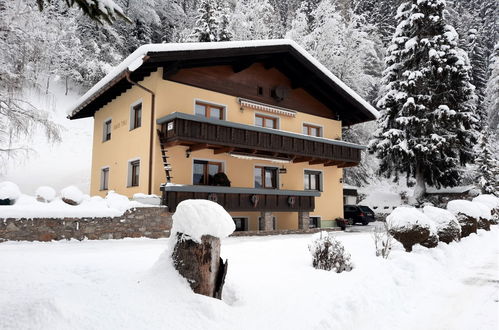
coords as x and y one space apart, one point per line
167 166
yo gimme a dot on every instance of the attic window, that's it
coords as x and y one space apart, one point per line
259 91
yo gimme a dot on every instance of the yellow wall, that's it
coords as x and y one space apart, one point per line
174 97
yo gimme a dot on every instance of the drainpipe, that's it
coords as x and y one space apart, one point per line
152 127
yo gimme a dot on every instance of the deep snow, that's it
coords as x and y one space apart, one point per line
270 285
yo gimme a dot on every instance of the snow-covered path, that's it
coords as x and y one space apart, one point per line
270 285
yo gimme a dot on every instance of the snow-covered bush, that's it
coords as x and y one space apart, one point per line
9 192
448 228
382 240
117 201
71 195
470 215
492 202
45 194
410 226
329 254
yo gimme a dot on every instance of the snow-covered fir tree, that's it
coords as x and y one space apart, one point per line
207 24
492 100
255 20
428 124
487 167
224 32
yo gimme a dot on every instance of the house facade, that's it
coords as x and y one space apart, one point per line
254 126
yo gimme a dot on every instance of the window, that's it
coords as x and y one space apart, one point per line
314 222
313 180
133 173
136 116
104 178
107 130
204 171
265 177
241 224
312 130
265 121
209 110
259 91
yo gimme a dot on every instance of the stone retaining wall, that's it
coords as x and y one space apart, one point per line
282 232
153 222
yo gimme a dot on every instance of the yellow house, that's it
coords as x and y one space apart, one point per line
253 125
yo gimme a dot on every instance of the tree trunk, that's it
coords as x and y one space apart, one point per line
67 86
201 265
420 189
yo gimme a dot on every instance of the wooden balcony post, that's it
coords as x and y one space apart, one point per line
266 221
303 220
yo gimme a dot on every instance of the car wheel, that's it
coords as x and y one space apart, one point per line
365 223
350 222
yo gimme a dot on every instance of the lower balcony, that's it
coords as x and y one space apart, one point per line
243 199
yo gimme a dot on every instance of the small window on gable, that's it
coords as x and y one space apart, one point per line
136 116
104 178
133 173
106 136
259 91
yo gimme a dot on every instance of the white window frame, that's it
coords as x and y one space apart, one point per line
246 227
224 106
321 183
303 123
278 179
102 188
104 129
318 221
132 117
129 170
278 120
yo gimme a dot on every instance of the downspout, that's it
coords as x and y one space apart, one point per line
151 133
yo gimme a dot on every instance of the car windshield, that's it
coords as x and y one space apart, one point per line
365 209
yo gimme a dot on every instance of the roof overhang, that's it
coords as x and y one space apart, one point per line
285 55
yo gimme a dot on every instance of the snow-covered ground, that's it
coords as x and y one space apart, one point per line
118 284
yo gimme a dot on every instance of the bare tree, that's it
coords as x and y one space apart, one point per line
383 241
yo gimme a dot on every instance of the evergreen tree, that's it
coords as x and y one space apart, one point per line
428 122
99 10
487 167
493 90
224 32
206 28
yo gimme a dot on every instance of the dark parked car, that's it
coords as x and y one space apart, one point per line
358 214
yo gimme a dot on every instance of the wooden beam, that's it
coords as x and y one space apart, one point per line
317 161
223 150
241 66
198 146
347 164
302 159
170 69
333 163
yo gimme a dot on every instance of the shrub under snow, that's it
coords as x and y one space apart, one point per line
10 191
45 194
492 202
117 201
448 228
72 195
471 215
329 254
410 226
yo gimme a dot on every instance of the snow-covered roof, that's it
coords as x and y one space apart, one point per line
449 190
135 60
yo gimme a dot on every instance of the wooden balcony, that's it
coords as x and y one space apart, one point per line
228 137
243 199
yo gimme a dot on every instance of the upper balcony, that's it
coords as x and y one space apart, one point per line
229 137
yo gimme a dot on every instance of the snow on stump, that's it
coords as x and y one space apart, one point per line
492 202
471 215
410 226
198 226
45 194
448 228
329 254
71 195
9 193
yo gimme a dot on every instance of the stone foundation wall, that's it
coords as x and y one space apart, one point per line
152 222
282 232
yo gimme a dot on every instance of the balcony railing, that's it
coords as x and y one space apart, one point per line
243 199
224 136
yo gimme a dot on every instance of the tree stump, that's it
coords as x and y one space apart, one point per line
200 264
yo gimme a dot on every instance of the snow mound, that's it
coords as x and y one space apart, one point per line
72 193
472 209
9 190
441 217
45 194
407 217
198 217
490 200
147 199
117 201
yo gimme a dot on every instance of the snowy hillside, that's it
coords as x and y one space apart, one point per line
54 164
